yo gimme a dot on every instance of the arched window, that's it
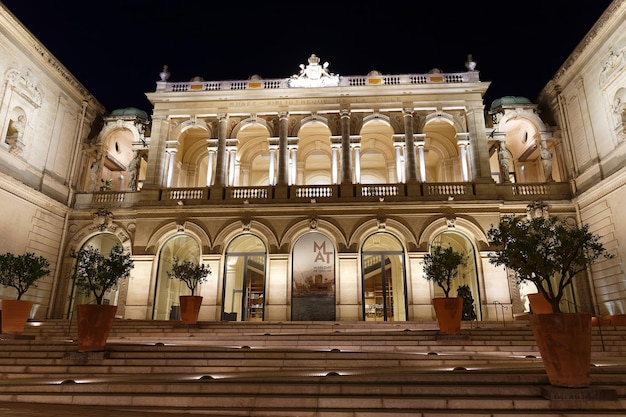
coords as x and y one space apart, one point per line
243 298
167 291
104 242
468 274
384 281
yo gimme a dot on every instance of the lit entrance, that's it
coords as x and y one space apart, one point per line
243 298
384 287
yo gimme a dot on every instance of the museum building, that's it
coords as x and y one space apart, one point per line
314 196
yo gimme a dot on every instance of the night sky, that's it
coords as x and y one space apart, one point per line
117 48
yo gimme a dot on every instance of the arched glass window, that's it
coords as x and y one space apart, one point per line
384 281
166 304
243 298
468 275
104 242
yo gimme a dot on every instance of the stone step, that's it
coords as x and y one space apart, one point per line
283 393
311 370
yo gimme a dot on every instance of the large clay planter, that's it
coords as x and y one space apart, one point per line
616 319
94 324
449 312
539 304
15 314
564 341
189 308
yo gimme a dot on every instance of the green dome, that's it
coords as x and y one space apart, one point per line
130 112
508 101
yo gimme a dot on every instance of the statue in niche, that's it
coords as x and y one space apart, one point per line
14 133
503 157
16 127
133 171
94 171
546 161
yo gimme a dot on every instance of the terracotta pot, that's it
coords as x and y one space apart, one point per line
616 319
189 308
539 304
94 324
601 321
15 314
449 312
564 341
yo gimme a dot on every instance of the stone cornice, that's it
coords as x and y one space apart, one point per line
19 190
30 45
588 40
597 193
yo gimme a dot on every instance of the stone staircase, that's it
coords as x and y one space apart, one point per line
301 369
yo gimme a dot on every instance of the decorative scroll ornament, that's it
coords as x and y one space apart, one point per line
102 220
537 209
313 224
314 75
451 222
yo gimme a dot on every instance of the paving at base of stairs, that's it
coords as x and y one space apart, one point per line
300 369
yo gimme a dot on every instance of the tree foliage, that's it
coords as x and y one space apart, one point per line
22 271
442 265
190 273
469 313
95 273
545 251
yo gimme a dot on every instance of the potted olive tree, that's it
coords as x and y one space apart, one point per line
550 253
20 272
441 266
192 275
94 275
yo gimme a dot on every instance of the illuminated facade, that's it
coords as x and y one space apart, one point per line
315 196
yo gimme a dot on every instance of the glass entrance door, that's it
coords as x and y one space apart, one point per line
384 294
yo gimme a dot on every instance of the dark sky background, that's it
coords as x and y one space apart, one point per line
117 48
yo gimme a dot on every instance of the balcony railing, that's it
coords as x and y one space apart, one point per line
344 81
348 194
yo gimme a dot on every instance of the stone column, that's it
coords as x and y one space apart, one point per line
294 166
211 149
171 164
346 161
283 155
399 165
479 151
357 163
409 159
420 150
420 143
232 157
273 146
222 156
335 145
157 159
209 168
463 143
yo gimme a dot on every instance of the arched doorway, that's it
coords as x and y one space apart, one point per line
167 291
468 274
243 298
104 242
384 281
313 278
